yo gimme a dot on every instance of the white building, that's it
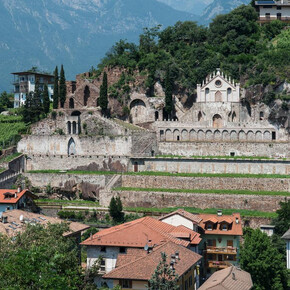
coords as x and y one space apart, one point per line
24 83
286 237
273 10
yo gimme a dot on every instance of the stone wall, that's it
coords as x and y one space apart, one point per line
88 185
95 163
271 149
223 166
255 184
198 200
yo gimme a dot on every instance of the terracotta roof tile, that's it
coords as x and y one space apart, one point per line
234 220
138 233
14 195
231 278
144 267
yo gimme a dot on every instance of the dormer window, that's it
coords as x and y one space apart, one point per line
209 226
224 227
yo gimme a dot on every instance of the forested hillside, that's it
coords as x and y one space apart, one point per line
252 54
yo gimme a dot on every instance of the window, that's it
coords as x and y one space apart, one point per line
126 284
210 257
190 281
103 265
122 250
218 83
273 135
103 249
209 226
279 7
279 16
268 6
224 227
230 257
267 15
261 115
186 285
211 243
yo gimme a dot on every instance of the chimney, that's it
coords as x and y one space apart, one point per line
4 219
234 276
237 220
172 259
177 255
172 265
219 212
19 189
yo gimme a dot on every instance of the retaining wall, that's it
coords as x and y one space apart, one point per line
255 184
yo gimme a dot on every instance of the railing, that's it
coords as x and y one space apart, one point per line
224 250
219 264
273 17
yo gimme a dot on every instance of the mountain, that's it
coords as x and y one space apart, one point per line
192 6
75 33
220 7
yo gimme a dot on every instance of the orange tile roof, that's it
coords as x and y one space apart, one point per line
195 218
15 196
138 233
143 268
13 225
236 228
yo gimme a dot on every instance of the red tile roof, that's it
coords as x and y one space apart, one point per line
140 232
195 218
234 220
143 268
14 196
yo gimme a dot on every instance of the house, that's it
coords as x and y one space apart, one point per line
15 199
220 240
24 83
230 278
117 245
273 10
136 272
286 237
220 236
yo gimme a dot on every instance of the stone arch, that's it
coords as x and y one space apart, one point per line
71 149
259 136
168 135
242 136
138 111
200 135
69 127
87 94
176 135
217 121
184 135
192 135
74 127
199 116
267 136
234 117
71 103
218 96
226 135
76 113
250 136
208 135
229 94
234 136
217 135
206 92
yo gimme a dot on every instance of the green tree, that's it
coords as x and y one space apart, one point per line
115 210
55 89
40 258
282 222
260 258
46 101
168 94
103 102
62 87
6 101
164 278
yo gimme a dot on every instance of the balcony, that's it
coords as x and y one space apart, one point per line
265 19
221 250
219 264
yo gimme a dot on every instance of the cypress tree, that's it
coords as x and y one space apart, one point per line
104 93
120 214
46 101
36 105
62 87
168 93
55 89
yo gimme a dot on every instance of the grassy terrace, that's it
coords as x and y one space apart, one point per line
243 212
203 191
42 201
9 158
159 173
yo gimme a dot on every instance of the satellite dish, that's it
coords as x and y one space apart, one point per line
21 218
146 247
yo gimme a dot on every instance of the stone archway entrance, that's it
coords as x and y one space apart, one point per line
217 121
218 96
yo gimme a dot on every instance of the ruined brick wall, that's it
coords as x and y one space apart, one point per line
255 184
203 201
